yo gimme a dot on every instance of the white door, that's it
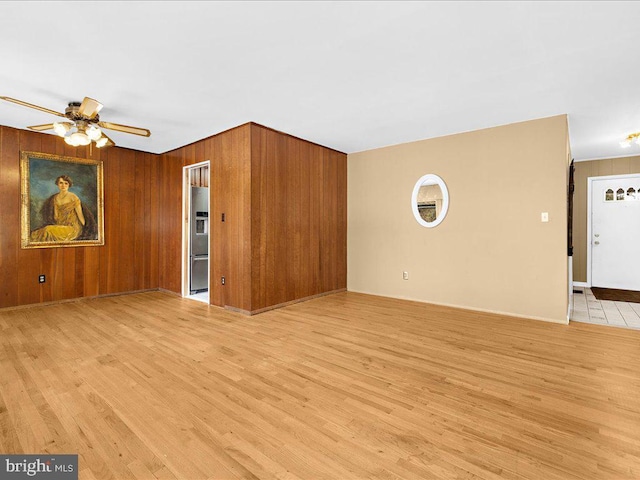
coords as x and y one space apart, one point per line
615 232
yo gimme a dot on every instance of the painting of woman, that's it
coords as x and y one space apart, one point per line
65 212
65 217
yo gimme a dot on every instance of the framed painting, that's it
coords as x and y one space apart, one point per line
62 201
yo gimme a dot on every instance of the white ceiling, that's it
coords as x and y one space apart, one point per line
349 75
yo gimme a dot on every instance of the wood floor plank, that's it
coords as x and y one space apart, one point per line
347 386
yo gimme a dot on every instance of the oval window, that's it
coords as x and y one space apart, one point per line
430 200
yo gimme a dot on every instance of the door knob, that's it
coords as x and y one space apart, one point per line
597 235
597 242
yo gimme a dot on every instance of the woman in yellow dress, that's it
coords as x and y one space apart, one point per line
63 215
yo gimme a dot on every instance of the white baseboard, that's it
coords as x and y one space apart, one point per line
581 284
463 307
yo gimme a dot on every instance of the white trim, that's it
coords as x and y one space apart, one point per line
185 245
588 239
590 181
581 284
570 285
463 307
183 256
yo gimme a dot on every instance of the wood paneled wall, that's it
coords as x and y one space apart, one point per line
231 240
170 224
584 170
298 218
284 200
283 239
230 189
129 259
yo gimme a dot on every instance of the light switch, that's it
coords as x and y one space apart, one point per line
544 217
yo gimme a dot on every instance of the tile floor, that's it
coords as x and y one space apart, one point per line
201 296
586 308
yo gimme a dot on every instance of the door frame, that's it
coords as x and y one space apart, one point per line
590 181
186 215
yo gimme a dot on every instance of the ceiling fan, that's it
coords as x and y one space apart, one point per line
84 125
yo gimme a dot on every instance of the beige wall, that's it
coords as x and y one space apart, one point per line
584 170
491 252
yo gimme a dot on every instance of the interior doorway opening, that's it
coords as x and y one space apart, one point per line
196 238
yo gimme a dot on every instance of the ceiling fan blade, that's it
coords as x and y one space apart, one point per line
143 132
89 108
109 142
40 128
30 105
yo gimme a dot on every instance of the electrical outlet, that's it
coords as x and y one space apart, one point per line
42 279
405 275
544 217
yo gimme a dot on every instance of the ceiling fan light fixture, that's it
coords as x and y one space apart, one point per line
78 139
61 129
101 142
94 133
631 138
84 125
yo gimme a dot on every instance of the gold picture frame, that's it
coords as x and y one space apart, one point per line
62 201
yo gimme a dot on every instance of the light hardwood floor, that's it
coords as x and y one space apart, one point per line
346 386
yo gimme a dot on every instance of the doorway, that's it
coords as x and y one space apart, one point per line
196 238
613 230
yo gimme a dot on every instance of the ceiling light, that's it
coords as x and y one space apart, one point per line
93 132
81 133
71 141
632 137
84 125
61 129
78 139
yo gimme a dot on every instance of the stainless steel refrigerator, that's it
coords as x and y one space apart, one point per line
199 240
